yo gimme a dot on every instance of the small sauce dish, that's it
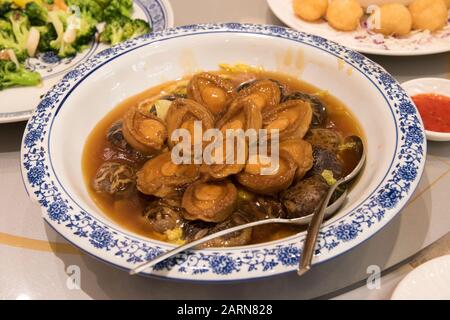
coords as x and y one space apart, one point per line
432 98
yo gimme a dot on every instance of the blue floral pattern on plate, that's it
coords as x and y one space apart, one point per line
125 251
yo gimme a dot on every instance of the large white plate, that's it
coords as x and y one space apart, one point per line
417 43
17 104
55 135
429 281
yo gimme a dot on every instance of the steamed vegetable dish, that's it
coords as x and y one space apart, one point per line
132 178
64 27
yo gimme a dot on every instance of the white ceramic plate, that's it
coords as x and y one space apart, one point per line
56 133
429 281
418 43
17 104
430 85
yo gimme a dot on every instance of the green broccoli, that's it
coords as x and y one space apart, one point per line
123 28
141 27
47 35
87 8
5 6
67 49
14 34
63 44
7 40
90 14
5 27
12 75
117 8
103 3
20 26
37 14
86 32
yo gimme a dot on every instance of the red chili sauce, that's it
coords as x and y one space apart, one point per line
434 110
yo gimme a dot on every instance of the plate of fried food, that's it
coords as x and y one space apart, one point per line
41 40
383 27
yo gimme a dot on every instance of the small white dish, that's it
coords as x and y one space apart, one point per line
429 281
430 85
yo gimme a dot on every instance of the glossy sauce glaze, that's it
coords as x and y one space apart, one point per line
128 211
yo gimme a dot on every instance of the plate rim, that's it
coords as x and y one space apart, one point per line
223 264
273 5
12 117
397 294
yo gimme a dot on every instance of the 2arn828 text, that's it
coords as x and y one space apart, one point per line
255 309
232 309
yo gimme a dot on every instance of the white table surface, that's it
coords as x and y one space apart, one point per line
35 261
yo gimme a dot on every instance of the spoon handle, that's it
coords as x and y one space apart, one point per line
317 219
192 244
312 234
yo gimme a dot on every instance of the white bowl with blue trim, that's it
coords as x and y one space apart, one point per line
56 133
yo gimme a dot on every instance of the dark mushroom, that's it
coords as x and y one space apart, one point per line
144 131
292 118
120 149
163 214
183 113
325 138
326 160
115 179
268 183
263 207
212 91
319 115
238 238
305 197
209 201
195 229
301 152
115 137
163 178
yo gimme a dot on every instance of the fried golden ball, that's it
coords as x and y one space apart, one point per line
344 15
310 10
447 2
428 14
394 19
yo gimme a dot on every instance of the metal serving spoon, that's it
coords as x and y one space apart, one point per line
313 218
317 218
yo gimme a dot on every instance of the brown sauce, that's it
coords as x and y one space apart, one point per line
128 212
